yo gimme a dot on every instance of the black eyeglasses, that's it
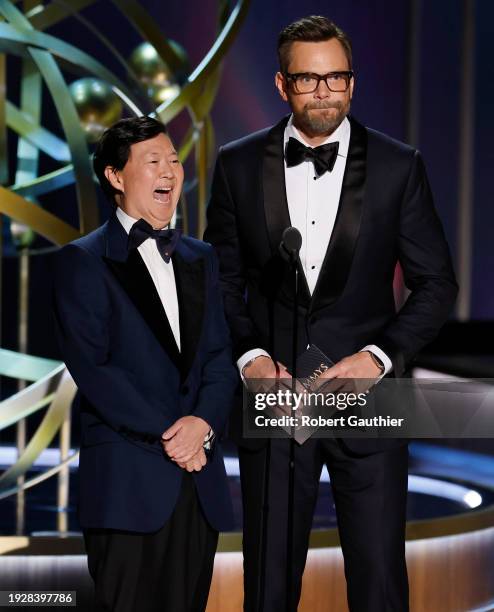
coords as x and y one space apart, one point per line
307 82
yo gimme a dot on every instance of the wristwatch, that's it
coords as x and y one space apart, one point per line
377 361
207 445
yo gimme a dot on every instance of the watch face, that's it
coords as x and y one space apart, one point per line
377 361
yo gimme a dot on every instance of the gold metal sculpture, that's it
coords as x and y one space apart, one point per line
161 82
97 105
51 386
44 57
158 82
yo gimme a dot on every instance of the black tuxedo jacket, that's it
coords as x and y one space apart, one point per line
385 215
134 383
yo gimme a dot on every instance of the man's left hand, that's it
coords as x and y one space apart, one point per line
196 463
184 439
359 366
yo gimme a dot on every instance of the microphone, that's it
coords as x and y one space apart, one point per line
291 242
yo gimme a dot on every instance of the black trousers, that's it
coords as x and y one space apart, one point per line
166 571
370 500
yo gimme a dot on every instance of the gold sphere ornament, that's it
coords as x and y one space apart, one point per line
98 106
162 82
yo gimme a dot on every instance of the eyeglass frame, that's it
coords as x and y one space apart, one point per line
320 77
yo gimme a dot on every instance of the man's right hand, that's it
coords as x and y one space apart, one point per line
259 370
263 367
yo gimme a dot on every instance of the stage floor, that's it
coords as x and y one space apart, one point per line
443 482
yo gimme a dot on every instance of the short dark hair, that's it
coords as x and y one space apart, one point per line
310 29
113 148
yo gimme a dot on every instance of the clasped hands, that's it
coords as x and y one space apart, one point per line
183 442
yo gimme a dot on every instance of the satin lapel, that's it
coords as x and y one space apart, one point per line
339 255
274 189
134 277
131 272
116 240
191 291
275 200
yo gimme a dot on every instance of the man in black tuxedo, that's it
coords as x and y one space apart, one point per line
362 203
140 323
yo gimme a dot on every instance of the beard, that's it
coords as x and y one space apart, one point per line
321 123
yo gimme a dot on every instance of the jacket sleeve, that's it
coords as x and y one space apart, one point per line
219 377
82 312
428 273
222 233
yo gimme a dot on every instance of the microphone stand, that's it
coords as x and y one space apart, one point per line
264 529
261 579
289 249
291 458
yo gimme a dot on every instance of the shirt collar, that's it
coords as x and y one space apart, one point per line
341 134
127 221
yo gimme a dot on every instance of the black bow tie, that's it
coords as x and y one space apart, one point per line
166 239
323 157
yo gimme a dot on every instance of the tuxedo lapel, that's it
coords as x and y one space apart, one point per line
276 209
131 272
339 255
274 189
191 291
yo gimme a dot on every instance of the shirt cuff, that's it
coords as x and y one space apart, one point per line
388 365
248 356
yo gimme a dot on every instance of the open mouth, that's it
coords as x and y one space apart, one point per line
163 194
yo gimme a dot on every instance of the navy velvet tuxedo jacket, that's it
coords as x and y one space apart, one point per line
134 383
385 215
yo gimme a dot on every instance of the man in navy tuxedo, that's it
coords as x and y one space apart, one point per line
140 323
362 203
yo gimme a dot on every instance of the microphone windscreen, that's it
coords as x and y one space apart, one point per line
292 239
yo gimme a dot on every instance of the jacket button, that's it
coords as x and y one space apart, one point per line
184 390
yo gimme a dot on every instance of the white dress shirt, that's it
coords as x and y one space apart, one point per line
313 204
163 277
162 274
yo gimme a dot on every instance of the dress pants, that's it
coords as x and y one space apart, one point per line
370 500
166 571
